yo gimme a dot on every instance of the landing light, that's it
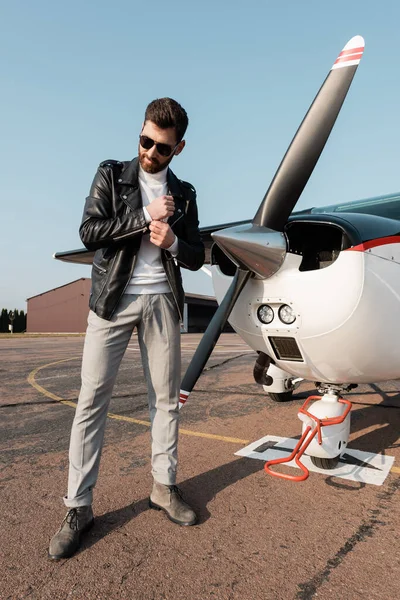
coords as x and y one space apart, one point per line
286 314
265 314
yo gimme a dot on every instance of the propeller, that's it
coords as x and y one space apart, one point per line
259 249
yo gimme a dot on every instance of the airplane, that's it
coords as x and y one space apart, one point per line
315 293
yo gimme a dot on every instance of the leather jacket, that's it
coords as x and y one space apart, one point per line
113 224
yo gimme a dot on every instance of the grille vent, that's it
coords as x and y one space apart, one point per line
286 348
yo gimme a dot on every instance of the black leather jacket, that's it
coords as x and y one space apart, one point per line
113 224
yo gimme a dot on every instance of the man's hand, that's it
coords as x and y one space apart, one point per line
161 234
161 208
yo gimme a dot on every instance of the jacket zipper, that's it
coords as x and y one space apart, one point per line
124 235
104 284
132 268
182 263
126 285
99 268
176 221
173 225
172 290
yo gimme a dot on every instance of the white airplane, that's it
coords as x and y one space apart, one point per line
316 293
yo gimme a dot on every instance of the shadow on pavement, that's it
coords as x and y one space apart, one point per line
383 417
198 491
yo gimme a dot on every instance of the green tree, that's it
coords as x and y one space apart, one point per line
16 320
4 320
19 323
22 321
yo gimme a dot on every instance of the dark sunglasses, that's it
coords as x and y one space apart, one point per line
162 149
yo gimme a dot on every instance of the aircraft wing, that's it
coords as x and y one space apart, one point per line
206 232
80 256
85 257
383 206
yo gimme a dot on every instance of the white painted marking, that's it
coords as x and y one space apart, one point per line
354 472
348 63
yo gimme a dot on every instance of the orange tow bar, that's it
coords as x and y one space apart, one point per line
304 441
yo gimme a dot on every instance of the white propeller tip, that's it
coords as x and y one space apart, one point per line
356 42
351 53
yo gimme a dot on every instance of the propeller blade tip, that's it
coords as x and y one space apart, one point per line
351 53
356 42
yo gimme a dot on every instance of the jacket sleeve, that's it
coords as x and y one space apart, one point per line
191 253
99 229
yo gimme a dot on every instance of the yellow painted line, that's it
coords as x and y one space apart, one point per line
210 436
32 381
395 469
42 390
128 419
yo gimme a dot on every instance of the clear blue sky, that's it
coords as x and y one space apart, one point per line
76 77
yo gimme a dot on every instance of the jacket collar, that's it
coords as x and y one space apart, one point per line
130 176
174 186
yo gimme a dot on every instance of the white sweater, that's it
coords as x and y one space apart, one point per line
149 276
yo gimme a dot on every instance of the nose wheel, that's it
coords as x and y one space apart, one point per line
325 463
281 397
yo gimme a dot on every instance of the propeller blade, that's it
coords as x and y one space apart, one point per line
212 334
258 249
309 141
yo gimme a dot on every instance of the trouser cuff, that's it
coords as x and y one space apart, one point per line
82 500
165 479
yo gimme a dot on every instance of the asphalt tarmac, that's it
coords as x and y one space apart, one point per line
258 537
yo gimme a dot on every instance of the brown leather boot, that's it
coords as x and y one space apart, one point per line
68 538
169 499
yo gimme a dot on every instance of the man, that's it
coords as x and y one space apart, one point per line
142 222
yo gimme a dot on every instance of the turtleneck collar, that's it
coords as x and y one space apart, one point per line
153 178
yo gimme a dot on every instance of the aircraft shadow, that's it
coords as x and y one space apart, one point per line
198 490
385 416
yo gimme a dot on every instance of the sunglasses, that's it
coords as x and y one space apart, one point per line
162 149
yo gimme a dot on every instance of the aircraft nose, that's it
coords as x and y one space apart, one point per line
256 248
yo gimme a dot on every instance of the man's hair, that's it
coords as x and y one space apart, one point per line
165 113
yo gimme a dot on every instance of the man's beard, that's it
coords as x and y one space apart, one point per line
156 166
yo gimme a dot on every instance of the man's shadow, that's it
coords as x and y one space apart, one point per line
201 489
198 490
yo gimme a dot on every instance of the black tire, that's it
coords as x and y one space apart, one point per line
325 463
282 397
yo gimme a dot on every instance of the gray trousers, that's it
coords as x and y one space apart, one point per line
157 322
